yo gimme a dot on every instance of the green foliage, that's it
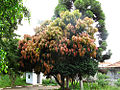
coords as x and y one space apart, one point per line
91 9
49 82
3 66
11 47
59 8
117 83
102 80
94 86
11 14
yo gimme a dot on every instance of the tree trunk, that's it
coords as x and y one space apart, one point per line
58 81
63 82
12 78
67 82
81 83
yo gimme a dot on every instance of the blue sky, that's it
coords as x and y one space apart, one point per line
44 9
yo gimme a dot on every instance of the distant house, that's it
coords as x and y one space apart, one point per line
111 70
114 70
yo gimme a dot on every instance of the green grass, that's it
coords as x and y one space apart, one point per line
93 86
5 81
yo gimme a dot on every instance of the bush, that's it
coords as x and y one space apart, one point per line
48 82
102 79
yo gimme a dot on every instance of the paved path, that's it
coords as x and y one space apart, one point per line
40 87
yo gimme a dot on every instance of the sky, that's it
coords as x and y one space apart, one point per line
44 10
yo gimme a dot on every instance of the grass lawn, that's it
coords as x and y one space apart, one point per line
5 82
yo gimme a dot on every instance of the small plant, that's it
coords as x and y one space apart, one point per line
102 79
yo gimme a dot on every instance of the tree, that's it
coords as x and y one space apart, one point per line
91 9
11 14
63 48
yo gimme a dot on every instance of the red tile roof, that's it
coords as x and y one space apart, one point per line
104 64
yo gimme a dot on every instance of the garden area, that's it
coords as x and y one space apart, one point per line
68 46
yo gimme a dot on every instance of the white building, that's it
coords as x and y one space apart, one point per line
33 78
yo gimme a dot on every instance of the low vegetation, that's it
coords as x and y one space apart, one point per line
5 81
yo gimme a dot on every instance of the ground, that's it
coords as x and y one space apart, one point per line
38 87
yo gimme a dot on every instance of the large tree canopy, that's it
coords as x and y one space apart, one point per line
64 46
91 9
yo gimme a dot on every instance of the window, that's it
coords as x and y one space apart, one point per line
28 76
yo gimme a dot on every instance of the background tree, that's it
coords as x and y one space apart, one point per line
63 47
91 9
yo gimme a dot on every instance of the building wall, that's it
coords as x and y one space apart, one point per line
33 78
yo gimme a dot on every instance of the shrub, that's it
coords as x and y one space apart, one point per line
102 79
48 82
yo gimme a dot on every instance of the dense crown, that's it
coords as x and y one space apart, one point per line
65 40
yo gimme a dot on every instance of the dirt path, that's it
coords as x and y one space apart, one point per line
40 87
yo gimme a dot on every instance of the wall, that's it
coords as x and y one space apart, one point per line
31 78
